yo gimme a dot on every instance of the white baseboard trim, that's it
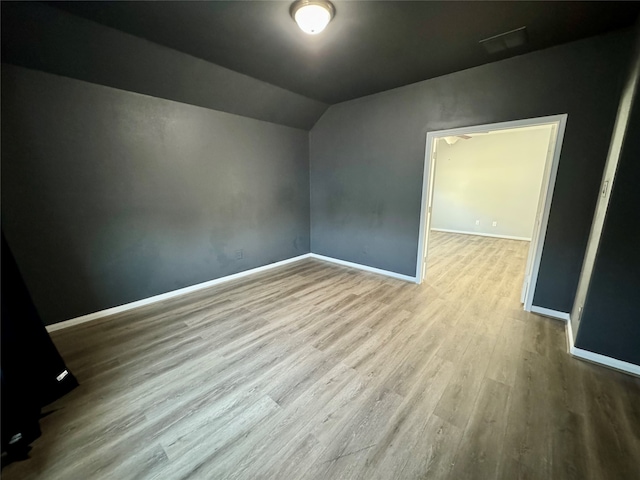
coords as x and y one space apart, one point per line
603 360
573 350
547 312
174 293
183 291
480 234
366 268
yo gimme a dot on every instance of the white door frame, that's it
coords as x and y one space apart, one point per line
548 184
548 162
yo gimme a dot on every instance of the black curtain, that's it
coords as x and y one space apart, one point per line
33 372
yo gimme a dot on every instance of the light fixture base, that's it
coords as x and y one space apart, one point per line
312 16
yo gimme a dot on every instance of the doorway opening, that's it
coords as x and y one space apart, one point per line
472 185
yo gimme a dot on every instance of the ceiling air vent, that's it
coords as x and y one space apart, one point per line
505 41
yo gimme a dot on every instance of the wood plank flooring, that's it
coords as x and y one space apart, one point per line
315 371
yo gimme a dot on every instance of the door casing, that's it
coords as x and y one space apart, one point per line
544 206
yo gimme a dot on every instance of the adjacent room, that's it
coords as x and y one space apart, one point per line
489 183
493 184
320 239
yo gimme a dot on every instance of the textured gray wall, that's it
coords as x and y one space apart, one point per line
610 323
45 38
367 155
110 196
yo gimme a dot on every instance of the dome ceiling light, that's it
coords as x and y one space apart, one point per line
312 16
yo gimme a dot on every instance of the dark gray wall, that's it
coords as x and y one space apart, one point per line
110 196
44 38
367 155
610 323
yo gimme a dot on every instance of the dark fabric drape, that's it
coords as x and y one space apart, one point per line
33 372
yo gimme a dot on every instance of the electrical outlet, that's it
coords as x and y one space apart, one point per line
495 224
239 254
477 222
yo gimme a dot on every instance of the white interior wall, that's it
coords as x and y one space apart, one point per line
490 178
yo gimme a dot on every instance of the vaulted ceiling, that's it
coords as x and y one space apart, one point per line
369 46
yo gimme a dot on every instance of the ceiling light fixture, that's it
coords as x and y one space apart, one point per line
312 16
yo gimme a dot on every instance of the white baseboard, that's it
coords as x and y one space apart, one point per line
592 357
547 312
480 234
573 350
183 291
164 296
366 268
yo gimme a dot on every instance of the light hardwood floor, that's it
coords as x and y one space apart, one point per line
316 371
